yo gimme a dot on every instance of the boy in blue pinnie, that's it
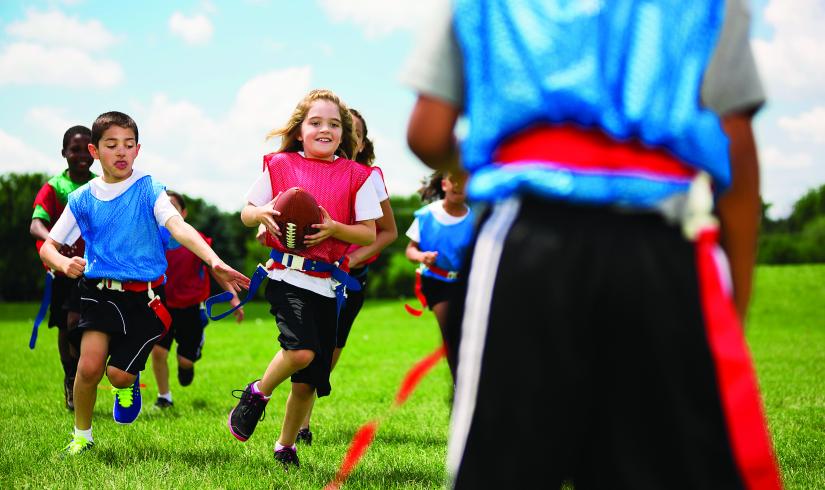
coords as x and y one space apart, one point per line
119 215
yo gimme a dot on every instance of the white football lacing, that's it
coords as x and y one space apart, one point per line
290 235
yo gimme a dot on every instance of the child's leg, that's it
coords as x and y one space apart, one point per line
298 405
283 365
161 368
93 351
441 311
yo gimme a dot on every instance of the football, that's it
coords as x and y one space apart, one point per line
299 211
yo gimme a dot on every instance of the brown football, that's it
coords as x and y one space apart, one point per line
299 211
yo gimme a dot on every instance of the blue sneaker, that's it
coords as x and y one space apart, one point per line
127 403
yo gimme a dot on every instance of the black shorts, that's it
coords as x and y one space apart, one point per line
355 300
65 298
126 317
306 320
187 330
593 320
437 291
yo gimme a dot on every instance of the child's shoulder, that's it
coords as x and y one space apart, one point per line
430 208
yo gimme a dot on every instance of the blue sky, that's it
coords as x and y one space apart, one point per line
206 80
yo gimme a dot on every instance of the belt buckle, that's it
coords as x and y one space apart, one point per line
452 275
291 261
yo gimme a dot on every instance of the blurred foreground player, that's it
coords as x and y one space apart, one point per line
613 142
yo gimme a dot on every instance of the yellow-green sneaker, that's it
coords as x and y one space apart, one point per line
78 445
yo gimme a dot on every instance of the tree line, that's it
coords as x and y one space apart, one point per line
23 275
799 238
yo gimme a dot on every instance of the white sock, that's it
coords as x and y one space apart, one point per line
166 396
86 434
279 446
257 389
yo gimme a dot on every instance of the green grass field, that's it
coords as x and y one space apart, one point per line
190 446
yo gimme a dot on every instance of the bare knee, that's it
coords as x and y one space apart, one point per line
119 378
89 370
303 391
300 358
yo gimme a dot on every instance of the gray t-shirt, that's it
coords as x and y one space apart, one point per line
731 82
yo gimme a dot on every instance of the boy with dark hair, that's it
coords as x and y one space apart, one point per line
598 132
64 307
187 287
122 316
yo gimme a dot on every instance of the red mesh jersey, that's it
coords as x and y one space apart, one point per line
187 279
333 184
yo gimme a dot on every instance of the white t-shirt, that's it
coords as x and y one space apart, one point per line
367 207
437 210
66 230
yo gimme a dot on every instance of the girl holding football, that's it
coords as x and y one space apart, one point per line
315 145
360 257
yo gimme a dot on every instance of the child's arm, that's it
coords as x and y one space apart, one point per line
239 314
414 254
38 229
430 133
387 233
360 233
229 278
740 207
252 215
73 267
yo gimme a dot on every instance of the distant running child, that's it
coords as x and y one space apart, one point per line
439 236
187 287
360 257
64 308
315 143
122 315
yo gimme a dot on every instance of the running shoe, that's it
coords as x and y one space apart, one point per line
127 403
247 413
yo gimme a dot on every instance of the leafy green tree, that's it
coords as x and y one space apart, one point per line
23 274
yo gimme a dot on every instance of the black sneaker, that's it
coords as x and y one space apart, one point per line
304 436
68 392
163 403
287 456
245 416
185 376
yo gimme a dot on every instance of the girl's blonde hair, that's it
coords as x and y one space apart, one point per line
290 132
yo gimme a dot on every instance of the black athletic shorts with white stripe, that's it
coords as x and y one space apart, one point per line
306 320
124 315
585 356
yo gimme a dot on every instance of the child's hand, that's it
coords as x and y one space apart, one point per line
266 216
74 267
325 229
428 258
229 278
261 235
239 312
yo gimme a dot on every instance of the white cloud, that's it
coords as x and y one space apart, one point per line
51 121
809 126
196 29
379 17
791 62
56 29
218 158
17 156
51 48
786 176
32 64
